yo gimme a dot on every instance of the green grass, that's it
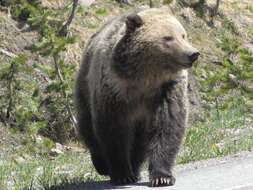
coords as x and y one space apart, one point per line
219 135
228 133
27 162
43 173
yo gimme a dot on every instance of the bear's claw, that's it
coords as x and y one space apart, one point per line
162 181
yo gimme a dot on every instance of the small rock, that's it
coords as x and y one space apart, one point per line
55 152
39 171
10 184
19 160
203 76
38 139
86 175
77 149
86 3
58 146
67 148
190 2
26 156
232 132
231 76
220 145
248 46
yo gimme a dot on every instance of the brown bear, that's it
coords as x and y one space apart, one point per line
131 95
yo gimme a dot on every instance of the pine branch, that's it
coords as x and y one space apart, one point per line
63 31
10 90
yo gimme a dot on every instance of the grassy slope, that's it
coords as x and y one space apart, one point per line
27 164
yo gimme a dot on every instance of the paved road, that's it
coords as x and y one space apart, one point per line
229 173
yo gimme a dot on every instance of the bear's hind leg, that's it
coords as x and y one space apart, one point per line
87 134
99 161
115 140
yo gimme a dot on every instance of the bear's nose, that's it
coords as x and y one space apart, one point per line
194 56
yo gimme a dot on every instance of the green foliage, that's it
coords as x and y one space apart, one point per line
226 92
101 11
167 2
250 7
230 82
23 9
26 103
18 106
229 44
199 7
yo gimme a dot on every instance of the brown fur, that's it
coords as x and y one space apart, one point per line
131 95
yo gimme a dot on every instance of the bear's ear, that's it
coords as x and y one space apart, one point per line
133 21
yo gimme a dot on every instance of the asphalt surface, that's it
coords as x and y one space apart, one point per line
228 173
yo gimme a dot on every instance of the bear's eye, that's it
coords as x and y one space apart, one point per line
168 38
183 36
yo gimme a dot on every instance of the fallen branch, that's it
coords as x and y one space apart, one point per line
7 53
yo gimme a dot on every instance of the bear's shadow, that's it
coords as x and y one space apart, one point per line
98 185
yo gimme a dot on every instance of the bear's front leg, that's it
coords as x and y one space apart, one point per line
166 135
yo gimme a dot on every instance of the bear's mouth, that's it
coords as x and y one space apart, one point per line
188 65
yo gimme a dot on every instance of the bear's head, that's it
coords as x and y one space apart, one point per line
154 39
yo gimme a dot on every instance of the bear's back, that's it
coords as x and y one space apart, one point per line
101 44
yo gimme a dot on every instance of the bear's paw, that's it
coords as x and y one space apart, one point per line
162 181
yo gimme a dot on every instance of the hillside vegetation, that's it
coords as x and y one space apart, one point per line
39 147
